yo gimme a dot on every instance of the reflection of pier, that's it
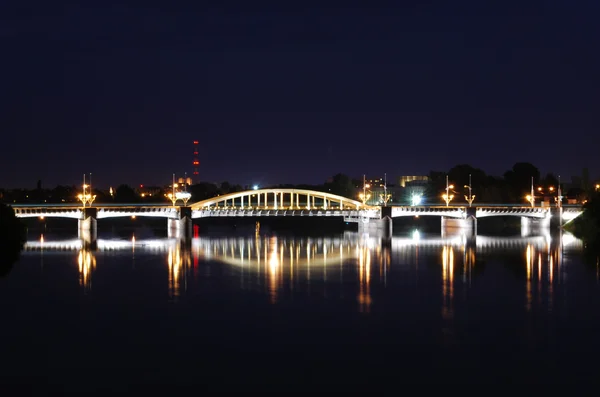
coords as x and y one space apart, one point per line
278 265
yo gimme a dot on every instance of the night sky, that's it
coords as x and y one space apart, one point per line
288 93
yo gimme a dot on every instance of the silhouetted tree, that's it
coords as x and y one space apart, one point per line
549 180
12 238
126 194
519 180
342 185
204 190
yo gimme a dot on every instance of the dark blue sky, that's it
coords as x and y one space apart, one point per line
295 94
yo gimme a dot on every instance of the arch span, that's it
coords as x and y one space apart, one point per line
279 199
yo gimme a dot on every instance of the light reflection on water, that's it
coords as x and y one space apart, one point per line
285 265
494 308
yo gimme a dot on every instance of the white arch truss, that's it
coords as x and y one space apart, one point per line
279 199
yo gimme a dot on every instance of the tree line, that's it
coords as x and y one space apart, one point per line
511 187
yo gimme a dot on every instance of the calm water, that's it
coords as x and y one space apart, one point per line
280 312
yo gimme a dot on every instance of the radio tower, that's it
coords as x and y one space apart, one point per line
195 162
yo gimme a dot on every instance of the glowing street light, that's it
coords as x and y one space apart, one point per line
531 197
172 196
470 197
448 197
184 196
559 196
85 197
416 199
365 196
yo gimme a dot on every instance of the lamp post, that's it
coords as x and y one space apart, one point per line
448 197
531 196
559 195
385 197
172 196
84 197
364 196
470 197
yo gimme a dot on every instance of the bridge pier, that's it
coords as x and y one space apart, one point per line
379 227
181 227
556 217
531 226
466 225
87 227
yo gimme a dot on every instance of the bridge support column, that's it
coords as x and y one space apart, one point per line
380 227
87 227
466 225
556 217
182 226
534 226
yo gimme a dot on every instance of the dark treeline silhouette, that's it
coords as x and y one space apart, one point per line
587 228
511 187
12 238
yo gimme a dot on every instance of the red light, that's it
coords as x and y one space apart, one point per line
195 142
141 185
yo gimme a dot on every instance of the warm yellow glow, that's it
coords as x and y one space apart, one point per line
86 262
447 198
364 278
175 264
447 281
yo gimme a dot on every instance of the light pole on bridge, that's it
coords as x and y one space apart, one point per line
172 195
84 197
559 196
385 197
470 197
448 197
364 196
531 196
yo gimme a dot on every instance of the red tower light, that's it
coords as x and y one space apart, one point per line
195 162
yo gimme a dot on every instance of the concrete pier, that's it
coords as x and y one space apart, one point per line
466 225
181 227
378 227
87 227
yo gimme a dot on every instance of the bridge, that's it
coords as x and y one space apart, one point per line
299 203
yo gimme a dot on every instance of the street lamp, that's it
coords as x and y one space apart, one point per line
531 197
184 196
84 197
559 196
385 197
470 197
365 196
448 197
172 196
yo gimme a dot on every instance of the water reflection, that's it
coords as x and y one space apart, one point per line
354 265
86 261
447 281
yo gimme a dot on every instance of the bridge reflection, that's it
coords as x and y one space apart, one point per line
280 266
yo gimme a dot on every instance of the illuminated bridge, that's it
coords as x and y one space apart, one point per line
300 203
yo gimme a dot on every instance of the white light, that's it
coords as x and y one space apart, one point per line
416 199
183 195
255 187
416 236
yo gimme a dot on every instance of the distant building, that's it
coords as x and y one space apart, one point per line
413 180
